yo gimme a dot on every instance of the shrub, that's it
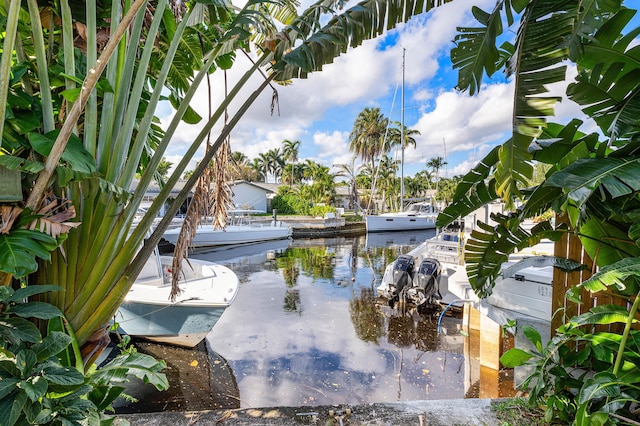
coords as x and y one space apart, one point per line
43 380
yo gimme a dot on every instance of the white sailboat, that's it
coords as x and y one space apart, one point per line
418 216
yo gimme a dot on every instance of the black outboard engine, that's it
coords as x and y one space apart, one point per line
402 276
427 283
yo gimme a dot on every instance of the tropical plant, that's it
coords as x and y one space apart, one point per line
274 163
117 134
348 171
591 182
290 152
43 380
396 134
436 164
257 165
387 181
368 138
164 167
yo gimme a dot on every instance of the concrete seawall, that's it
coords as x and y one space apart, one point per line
410 413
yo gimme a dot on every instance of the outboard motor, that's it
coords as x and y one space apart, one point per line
401 277
426 287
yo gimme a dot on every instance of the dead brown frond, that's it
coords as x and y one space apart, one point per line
196 211
222 195
55 215
8 215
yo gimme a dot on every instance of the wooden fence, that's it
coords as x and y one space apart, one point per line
562 309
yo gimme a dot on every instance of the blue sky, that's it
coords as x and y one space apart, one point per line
320 111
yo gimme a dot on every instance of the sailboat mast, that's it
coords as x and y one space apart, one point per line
402 136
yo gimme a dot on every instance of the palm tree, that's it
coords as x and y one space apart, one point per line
425 177
367 139
275 163
262 161
239 158
290 152
436 164
395 136
387 178
348 171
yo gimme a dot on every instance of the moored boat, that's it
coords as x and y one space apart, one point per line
417 216
147 311
240 231
523 288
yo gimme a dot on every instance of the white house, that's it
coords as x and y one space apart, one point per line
254 195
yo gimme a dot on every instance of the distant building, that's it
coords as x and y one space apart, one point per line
154 190
254 195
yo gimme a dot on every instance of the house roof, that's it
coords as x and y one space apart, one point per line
268 187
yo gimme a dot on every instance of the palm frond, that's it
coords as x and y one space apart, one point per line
610 93
618 274
489 247
475 52
320 46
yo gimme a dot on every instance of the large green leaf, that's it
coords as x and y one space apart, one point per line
472 192
515 357
35 387
25 361
75 154
20 249
16 330
7 385
18 163
304 47
489 247
30 290
63 376
475 52
612 275
602 385
41 310
607 177
604 314
609 93
51 345
139 365
11 407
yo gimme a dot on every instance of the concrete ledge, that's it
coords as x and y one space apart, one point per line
415 413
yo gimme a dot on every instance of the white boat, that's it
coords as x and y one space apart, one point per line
418 216
241 230
147 312
434 272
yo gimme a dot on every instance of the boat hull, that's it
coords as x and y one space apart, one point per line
207 236
176 325
384 223
207 289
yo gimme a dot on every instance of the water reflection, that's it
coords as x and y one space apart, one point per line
307 329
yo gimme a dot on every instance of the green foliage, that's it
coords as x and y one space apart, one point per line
584 375
21 248
43 380
321 211
290 203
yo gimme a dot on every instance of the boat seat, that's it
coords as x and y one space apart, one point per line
150 275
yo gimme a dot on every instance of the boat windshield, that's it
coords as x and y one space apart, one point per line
421 208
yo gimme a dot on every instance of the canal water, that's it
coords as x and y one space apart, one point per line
307 328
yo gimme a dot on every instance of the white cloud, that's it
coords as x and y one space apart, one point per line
460 122
363 77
